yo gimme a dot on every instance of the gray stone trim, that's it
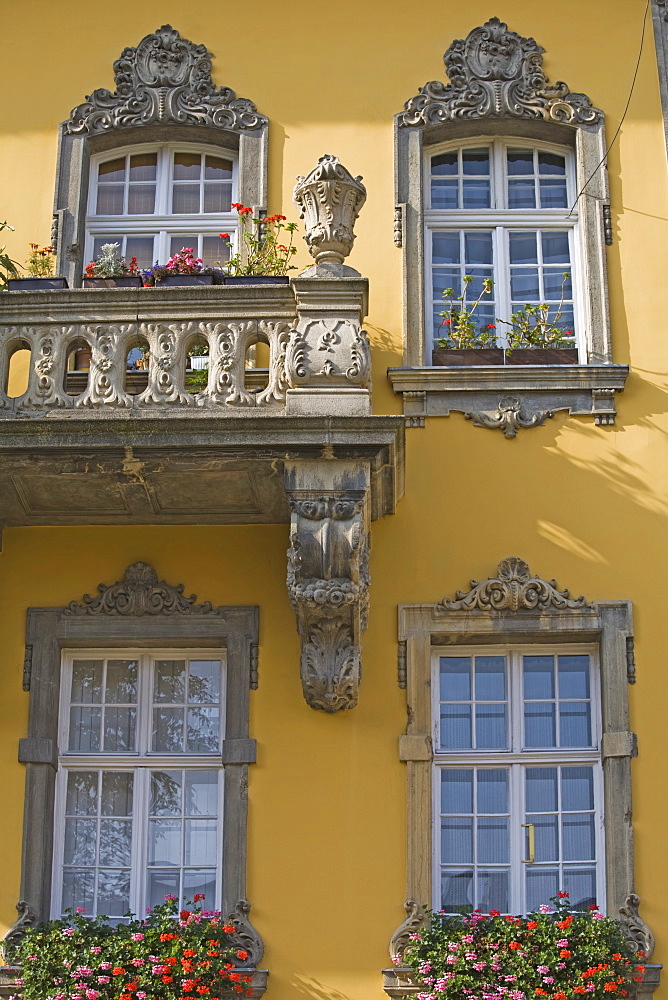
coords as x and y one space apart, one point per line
48 631
173 101
514 102
530 609
532 391
660 22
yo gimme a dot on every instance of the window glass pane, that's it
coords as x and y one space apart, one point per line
169 683
476 194
140 247
143 166
551 163
85 730
116 842
523 248
445 278
493 840
444 193
203 730
445 248
444 163
456 727
217 197
214 251
80 839
204 681
201 793
165 797
217 169
524 285
574 724
522 193
456 790
493 890
457 890
111 170
110 199
541 789
490 726
457 840
161 884
81 793
580 884
492 790
200 842
200 883
187 166
546 832
578 837
520 161
554 281
541 885
553 192
79 890
168 735
555 248
538 677
185 200
113 893
178 243
456 678
475 161
141 199
164 842
539 724
87 681
121 682
119 729
116 793
478 248
577 788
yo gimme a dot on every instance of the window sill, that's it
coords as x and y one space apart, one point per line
511 397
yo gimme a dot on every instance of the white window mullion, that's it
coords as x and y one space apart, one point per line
502 284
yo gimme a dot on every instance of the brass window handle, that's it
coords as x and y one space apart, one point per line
532 844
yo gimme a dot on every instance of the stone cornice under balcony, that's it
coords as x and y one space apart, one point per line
509 397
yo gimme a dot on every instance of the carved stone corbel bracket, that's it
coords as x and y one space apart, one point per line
635 929
416 918
245 936
26 918
328 583
509 417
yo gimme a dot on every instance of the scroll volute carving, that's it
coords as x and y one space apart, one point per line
328 586
329 200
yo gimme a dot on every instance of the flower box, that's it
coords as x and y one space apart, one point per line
36 284
465 357
122 281
185 279
256 279
542 356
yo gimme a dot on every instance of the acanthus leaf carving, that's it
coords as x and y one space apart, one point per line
345 343
329 200
416 919
494 71
634 927
512 589
166 79
47 367
166 370
245 936
509 417
107 368
328 584
27 918
139 593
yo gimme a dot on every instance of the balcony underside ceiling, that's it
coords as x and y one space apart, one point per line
185 469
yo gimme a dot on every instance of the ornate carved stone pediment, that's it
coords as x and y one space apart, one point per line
494 71
165 79
512 589
328 582
139 593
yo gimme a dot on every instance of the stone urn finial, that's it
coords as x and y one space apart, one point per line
329 200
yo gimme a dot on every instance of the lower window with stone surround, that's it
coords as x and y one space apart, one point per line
517 747
137 756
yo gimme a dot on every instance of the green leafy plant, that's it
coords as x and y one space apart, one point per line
552 954
265 252
459 322
168 955
110 264
532 326
40 261
8 268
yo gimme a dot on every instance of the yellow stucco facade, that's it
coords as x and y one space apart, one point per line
583 504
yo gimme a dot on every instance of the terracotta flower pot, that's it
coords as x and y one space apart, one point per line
82 359
464 357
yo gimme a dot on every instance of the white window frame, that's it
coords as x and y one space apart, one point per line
161 224
140 762
517 756
500 221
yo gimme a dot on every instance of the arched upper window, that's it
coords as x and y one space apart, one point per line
155 199
500 209
157 164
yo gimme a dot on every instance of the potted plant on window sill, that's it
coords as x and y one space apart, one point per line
265 260
554 953
184 269
535 337
39 268
466 343
111 271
